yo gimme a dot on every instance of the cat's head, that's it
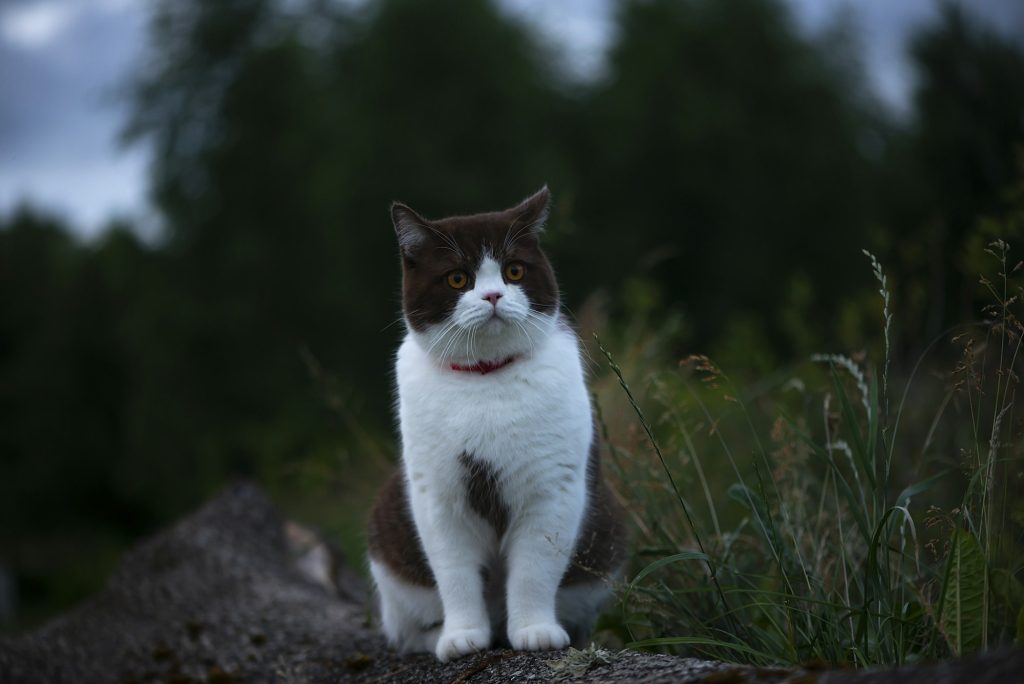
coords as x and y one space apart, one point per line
477 288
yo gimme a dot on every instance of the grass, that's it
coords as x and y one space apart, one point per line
334 488
804 520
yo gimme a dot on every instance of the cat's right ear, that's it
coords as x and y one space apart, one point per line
410 228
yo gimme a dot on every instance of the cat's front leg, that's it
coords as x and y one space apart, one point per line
455 556
539 551
467 628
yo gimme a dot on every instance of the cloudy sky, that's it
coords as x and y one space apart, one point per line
62 63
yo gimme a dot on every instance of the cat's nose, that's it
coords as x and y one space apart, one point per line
493 297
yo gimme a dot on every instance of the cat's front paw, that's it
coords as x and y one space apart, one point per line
459 642
539 637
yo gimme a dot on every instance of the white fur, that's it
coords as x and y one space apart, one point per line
531 422
408 613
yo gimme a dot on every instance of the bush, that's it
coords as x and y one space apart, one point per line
820 515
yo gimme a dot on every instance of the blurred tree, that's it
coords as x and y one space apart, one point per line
63 371
282 134
229 100
61 377
954 164
727 151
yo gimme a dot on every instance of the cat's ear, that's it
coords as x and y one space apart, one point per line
533 211
410 228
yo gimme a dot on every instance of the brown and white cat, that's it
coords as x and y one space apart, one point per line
498 523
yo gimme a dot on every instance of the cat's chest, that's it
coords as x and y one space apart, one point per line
533 404
511 401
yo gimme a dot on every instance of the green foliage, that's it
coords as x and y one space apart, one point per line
816 548
962 608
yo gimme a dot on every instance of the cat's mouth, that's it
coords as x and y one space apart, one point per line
491 323
489 318
493 320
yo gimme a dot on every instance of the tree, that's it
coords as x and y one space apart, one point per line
956 162
726 150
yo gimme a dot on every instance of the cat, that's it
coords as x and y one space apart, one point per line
498 527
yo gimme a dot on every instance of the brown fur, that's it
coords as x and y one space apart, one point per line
601 545
482 486
433 249
391 534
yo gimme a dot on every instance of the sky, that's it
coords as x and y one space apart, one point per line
64 63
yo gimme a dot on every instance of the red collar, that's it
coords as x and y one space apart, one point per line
483 367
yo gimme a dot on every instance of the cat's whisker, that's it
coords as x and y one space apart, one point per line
543 327
449 249
438 337
511 240
444 351
449 352
443 356
466 332
442 335
572 317
533 318
526 335
507 243
536 327
570 314
450 243
400 319
529 338
447 239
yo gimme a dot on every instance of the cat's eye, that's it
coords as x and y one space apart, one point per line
514 271
457 280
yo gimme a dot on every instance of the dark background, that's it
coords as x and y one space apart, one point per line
726 168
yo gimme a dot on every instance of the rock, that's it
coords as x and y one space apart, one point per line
216 597
233 593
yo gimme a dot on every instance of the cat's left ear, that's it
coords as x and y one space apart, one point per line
410 228
533 211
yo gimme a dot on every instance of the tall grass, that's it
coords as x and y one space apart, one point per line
806 520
